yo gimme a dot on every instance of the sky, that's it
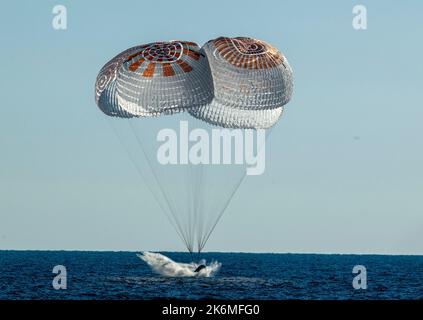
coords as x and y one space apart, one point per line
343 166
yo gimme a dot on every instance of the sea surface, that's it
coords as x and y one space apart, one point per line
122 275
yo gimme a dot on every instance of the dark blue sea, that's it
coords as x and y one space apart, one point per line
122 275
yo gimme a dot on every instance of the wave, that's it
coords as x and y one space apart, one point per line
167 267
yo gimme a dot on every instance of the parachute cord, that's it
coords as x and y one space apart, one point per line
177 228
206 238
134 162
198 255
202 209
198 212
190 207
187 244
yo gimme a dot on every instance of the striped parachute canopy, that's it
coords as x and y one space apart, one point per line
105 86
252 81
155 79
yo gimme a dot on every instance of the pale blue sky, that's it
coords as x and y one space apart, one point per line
344 166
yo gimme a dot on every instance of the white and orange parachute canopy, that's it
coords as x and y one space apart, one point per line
230 82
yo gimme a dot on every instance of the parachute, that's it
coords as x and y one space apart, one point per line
173 104
252 81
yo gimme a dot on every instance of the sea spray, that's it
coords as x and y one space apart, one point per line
165 266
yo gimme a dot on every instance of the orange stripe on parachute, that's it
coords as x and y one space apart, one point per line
149 72
184 66
134 66
168 70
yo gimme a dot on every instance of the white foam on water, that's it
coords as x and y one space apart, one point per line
169 268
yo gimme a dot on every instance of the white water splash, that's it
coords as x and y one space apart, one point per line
167 267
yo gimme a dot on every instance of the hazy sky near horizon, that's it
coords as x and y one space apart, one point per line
344 165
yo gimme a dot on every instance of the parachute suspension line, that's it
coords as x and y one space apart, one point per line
168 201
194 190
198 256
192 214
206 238
196 205
184 239
189 206
202 207
135 164
198 212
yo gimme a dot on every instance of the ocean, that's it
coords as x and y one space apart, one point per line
123 275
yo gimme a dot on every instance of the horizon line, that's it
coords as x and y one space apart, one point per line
210 252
